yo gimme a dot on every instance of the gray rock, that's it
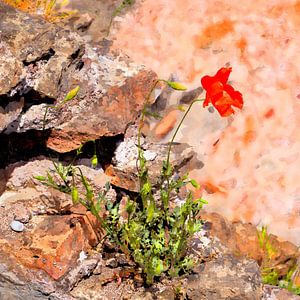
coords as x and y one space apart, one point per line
17 226
112 263
188 97
271 292
47 61
123 172
226 277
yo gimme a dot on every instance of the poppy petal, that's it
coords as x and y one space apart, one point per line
222 95
224 110
223 74
207 100
221 99
207 82
237 97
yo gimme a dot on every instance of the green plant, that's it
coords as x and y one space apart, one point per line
153 234
270 274
265 244
152 228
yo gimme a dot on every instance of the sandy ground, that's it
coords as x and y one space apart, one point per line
253 172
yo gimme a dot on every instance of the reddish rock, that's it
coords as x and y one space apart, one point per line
53 252
51 243
123 179
242 240
167 124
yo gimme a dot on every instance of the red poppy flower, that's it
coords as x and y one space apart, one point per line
220 94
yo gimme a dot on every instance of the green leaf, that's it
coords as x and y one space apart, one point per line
195 184
158 266
152 114
75 195
93 209
50 179
79 150
40 178
164 197
201 201
109 205
146 189
107 186
150 212
129 207
194 226
98 206
73 93
166 169
181 108
176 85
94 161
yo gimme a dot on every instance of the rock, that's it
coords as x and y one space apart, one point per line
53 254
218 275
271 292
166 294
112 263
10 69
46 62
101 287
10 113
100 11
188 97
167 124
225 278
150 155
46 258
242 240
17 226
123 171
142 296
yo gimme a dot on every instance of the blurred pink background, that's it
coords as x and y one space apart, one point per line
253 172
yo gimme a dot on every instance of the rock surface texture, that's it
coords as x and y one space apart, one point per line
123 171
242 240
41 63
52 253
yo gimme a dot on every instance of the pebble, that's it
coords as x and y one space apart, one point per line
17 226
112 263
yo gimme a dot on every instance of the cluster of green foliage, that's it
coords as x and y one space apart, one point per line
149 230
270 274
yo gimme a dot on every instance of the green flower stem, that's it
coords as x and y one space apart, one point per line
173 138
143 119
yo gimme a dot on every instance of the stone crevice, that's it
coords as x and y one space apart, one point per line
46 56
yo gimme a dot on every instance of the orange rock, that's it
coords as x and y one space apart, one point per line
55 243
167 124
242 240
122 179
212 188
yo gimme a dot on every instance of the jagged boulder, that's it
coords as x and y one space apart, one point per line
41 62
51 251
